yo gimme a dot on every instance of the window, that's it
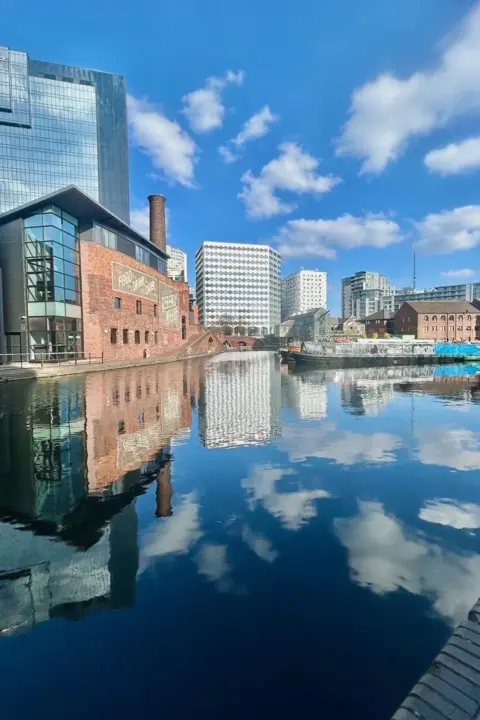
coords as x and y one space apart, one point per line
443 317
113 336
139 307
156 338
451 317
425 328
137 337
139 392
155 308
460 327
147 337
442 327
121 427
117 303
434 317
452 328
425 317
125 337
184 327
469 317
460 318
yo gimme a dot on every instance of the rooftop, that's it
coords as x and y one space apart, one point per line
84 208
380 315
442 306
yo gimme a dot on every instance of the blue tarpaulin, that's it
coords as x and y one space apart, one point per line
465 350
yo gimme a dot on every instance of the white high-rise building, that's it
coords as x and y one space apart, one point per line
302 291
363 293
177 264
238 285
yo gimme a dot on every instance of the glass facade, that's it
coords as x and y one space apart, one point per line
115 241
53 286
61 126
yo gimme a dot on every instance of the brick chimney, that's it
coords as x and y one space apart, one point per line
158 233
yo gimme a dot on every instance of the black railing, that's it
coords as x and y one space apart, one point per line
38 358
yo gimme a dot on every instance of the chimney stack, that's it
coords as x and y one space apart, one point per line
158 234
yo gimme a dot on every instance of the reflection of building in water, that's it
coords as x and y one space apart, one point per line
305 394
75 454
240 400
366 391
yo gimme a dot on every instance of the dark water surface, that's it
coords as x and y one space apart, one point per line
231 540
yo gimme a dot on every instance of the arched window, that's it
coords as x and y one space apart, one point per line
137 337
469 317
451 317
460 317
434 318
443 317
425 317
147 337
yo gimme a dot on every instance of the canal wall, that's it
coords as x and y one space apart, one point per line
451 686
199 347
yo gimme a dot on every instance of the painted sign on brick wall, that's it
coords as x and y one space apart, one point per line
134 282
168 299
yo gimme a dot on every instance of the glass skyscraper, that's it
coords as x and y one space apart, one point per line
61 125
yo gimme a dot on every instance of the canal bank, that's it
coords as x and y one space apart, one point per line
203 346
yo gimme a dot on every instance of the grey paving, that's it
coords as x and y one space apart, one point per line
450 689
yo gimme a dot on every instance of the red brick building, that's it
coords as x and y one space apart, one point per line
79 280
379 324
442 321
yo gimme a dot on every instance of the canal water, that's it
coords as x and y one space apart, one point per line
228 539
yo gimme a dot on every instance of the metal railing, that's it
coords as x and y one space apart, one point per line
41 359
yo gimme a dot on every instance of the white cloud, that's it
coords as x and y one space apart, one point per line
444 511
320 238
455 448
204 108
450 230
260 544
169 147
294 171
455 158
343 446
212 563
293 508
178 534
464 273
140 220
227 155
255 127
384 558
388 112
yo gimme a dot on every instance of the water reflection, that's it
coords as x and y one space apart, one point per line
253 505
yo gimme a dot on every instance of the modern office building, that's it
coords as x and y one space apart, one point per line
362 293
238 285
59 126
177 264
78 279
302 291
466 291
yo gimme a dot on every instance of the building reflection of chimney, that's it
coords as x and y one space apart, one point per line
164 492
123 563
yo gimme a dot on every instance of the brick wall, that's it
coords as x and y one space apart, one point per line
100 315
440 327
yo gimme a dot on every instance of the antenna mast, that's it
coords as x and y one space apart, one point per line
414 272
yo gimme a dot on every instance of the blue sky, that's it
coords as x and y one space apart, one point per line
363 137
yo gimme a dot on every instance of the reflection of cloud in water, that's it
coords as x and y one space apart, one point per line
292 508
177 534
260 544
455 448
445 511
383 558
212 563
344 447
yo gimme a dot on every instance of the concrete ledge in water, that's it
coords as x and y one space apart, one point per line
451 686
